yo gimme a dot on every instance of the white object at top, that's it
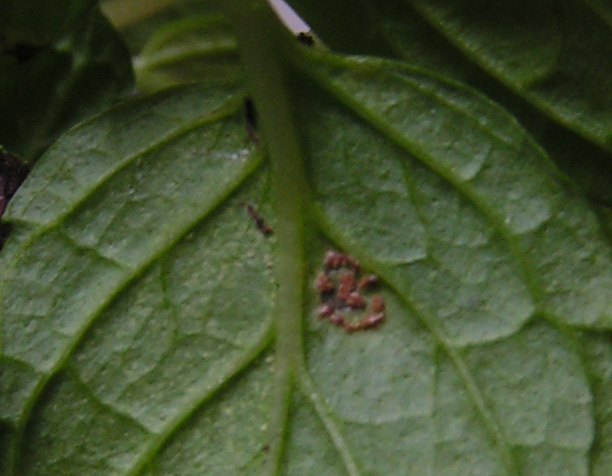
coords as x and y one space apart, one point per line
288 16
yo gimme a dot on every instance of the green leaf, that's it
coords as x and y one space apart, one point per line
85 70
401 32
597 353
128 169
149 327
555 55
472 146
184 42
199 47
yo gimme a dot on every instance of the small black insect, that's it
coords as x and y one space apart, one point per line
262 226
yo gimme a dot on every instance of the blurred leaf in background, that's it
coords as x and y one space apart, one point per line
61 61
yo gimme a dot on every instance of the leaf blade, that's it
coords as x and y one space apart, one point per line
76 244
447 384
519 205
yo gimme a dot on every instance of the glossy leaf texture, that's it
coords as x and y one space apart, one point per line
56 74
137 294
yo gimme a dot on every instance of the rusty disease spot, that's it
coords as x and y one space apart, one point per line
368 282
325 310
325 284
335 260
262 226
341 292
377 304
355 300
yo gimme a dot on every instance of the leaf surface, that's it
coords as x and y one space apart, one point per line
140 313
400 31
557 56
597 353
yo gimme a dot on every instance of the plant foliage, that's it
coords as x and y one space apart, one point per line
159 306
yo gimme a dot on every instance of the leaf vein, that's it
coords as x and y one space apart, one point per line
476 395
204 395
380 123
219 113
334 433
249 167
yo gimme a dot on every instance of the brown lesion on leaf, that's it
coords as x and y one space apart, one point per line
12 174
355 300
345 294
368 281
335 260
346 286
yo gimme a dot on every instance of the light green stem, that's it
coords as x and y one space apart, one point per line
260 38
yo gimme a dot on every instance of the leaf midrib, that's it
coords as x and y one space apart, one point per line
312 394
474 392
261 40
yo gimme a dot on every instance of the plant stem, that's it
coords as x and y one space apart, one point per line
260 38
